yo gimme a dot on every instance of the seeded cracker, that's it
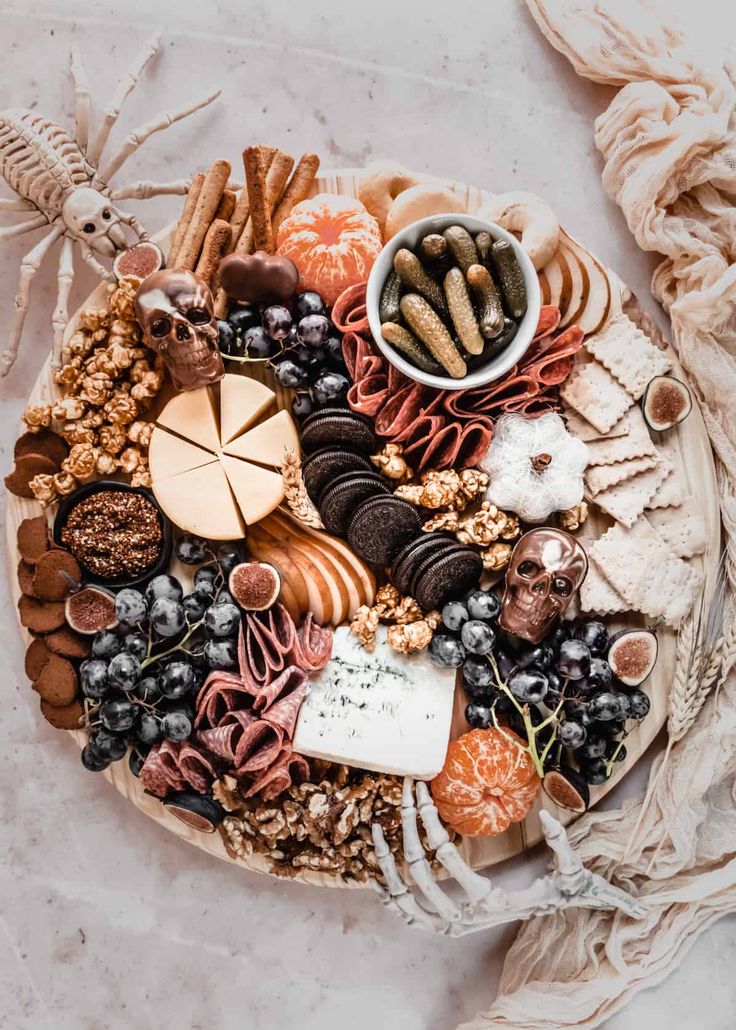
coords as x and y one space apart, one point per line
606 476
593 392
597 594
626 501
628 354
683 529
634 443
642 568
584 431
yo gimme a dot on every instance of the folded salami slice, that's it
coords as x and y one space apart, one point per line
349 311
291 679
549 319
169 757
257 748
368 395
313 647
283 712
153 776
220 740
221 692
402 410
554 363
195 768
289 768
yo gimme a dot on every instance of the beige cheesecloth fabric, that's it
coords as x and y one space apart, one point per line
669 144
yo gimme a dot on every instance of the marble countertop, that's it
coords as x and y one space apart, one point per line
108 922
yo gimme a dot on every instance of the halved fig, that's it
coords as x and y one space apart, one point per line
666 402
90 610
632 654
567 788
140 260
255 585
200 812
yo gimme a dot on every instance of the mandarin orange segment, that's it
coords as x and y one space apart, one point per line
333 242
487 783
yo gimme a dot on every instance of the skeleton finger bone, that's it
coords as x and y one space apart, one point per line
126 85
82 100
134 224
143 190
28 268
139 136
96 266
10 231
416 858
397 895
529 215
61 311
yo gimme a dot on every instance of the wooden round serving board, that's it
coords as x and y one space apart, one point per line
696 460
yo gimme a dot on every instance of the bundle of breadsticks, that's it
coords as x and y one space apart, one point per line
217 220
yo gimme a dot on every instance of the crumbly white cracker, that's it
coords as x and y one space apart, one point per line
683 529
626 501
597 594
603 477
628 354
634 443
584 431
592 391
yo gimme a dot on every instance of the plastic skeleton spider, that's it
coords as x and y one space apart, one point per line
571 885
66 184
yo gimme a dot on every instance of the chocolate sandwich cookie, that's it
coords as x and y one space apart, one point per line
449 575
408 558
326 465
426 562
381 526
338 427
341 497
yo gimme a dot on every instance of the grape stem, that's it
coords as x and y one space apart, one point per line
172 650
531 730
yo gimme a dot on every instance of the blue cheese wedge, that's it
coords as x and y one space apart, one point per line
378 710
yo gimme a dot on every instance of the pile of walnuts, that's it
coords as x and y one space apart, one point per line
109 380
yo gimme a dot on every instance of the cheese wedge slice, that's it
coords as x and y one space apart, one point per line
169 455
267 442
242 401
256 490
200 502
191 414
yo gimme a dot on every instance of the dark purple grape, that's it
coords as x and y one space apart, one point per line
148 728
205 582
479 716
594 634
137 759
617 749
600 674
194 607
176 680
190 549
164 586
605 706
330 388
167 617
528 686
227 338
571 734
130 606
222 619
483 604
221 653
93 678
333 353
446 651
105 644
147 690
259 346
594 772
176 726
117 713
277 322
640 704
124 669
477 637
301 405
506 664
308 303
313 330
557 637
477 674
577 711
228 556
92 761
539 657
290 375
594 746
109 746
243 317
573 660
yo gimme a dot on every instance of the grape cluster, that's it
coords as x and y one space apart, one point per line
141 680
303 347
566 676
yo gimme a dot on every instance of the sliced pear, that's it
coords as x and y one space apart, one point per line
361 573
267 442
598 301
265 547
319 598
200 502
169 455
191 415
242 401
552 273
257 490
576 299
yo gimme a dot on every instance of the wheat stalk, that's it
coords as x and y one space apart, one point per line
295 492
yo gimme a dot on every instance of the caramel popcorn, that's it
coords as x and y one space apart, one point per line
80 344
96 388
486 525
68 408
445 522
106 464
140 433
37 417
496 557
141 477
77 432
113 439
121 409
391 462
149 386
64 483
390 607
445 489
415 636
44 489
122 299
81 461
573 519
364 626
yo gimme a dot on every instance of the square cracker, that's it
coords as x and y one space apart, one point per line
626 501
634 443
603 477
584 431
628 354
593 392
644 571
597 594
683 529
674 489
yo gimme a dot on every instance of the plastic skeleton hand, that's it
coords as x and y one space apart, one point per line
571 885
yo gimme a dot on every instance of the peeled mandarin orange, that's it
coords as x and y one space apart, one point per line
333 242
487 783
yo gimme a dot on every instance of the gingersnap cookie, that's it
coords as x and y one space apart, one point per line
341 497
67 643
381 526
63 717
337 427
25 577
37 655
40 616
56 573
27 468
57 683
449 575
407 561
45 442
326 465
33 539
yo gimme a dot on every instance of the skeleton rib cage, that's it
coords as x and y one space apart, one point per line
60 182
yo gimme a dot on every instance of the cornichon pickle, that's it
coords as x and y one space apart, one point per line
388 306
431 330
490 309
494 347
510 277
483 243
461 311
461 244
414 274
411 347
435 256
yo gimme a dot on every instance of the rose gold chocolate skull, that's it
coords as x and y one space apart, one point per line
176 311
546 569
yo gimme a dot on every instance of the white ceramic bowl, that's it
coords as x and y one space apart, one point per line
410 237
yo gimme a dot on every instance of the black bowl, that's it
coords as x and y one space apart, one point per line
67 504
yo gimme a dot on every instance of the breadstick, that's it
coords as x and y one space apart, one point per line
298 189
215 242
264 192
226 206
241 213
207 203
186 216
